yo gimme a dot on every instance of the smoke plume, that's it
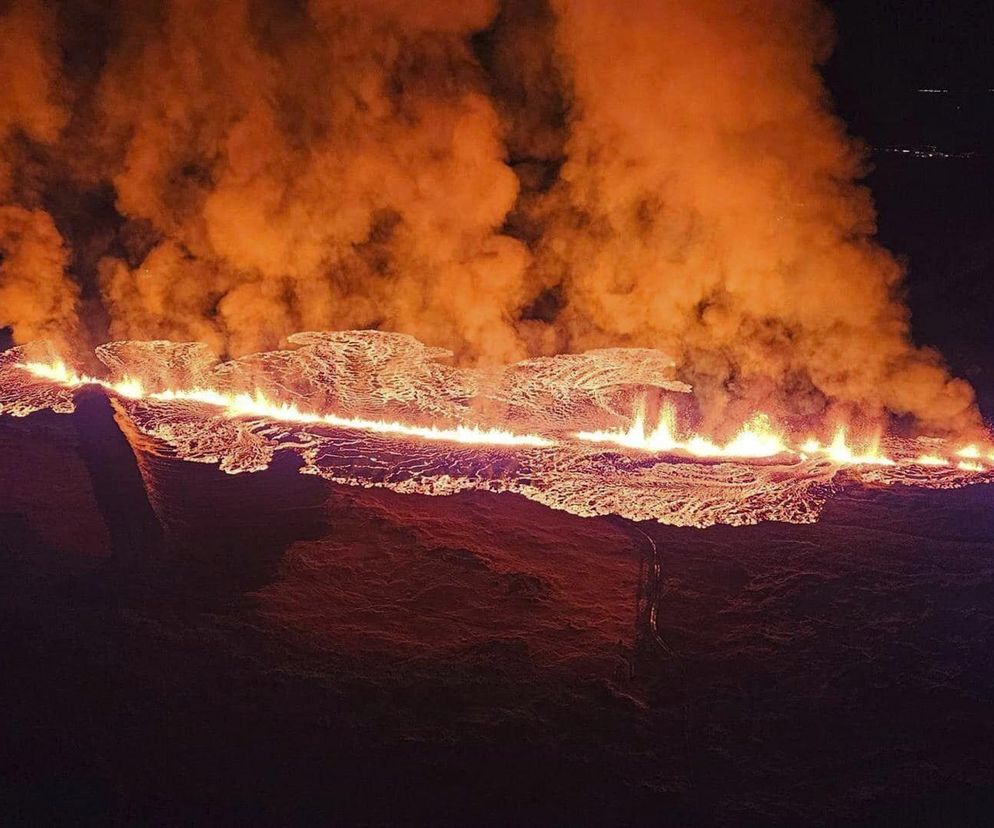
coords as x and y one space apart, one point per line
708 206
502 179
35 293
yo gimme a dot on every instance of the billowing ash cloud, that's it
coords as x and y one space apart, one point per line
501 179
35 292
309 167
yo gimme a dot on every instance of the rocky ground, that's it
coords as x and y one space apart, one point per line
195 646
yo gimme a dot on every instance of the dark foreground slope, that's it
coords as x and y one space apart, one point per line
194 647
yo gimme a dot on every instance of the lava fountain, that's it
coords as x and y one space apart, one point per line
374 409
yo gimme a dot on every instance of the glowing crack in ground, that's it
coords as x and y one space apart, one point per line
557 430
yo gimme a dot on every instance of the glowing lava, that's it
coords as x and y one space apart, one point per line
757 438
373 409
258 405
839 451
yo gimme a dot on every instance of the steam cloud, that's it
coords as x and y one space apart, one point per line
501 179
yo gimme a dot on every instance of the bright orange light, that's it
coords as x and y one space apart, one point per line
258 405
839 451
660 440
757 438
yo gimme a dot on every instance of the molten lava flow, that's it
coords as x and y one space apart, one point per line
661 439
757 438
405 420
258 405
60 373
839 451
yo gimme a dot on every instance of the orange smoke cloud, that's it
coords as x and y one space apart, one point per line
501 179
321 169
35 292
708 206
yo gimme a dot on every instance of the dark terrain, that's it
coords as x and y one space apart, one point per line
275 649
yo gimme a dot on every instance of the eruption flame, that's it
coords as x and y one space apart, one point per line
757 439
839 451
258 404
367 408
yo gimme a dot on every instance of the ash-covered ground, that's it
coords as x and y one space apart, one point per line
273 648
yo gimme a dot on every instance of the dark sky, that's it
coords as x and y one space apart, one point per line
918 41
889 49
932 160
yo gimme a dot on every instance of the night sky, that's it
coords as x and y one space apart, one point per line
934 202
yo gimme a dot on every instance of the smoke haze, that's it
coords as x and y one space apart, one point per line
503 179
